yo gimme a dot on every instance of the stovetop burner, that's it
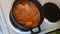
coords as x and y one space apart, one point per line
51 11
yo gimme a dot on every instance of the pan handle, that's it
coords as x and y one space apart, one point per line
39 30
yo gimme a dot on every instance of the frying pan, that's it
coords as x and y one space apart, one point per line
21 27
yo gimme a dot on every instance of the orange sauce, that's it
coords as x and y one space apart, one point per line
26 13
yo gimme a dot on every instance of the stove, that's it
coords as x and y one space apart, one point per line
8 28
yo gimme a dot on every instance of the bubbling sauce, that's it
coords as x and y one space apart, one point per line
26 13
